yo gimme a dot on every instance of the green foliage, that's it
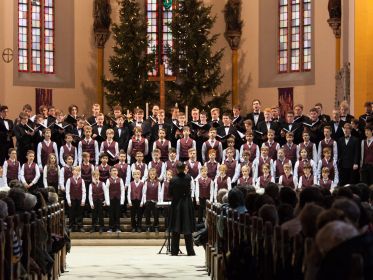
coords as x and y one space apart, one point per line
197 66
129 65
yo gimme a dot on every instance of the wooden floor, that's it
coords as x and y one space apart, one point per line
132 262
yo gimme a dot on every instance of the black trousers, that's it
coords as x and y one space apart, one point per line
151 209
201 209
175 242
367 174
347 176
136 214
75 218
98 213
114 214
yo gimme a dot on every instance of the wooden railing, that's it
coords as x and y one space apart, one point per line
24 229
273 254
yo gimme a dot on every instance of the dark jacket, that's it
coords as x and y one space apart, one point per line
182 210
350 154
337 264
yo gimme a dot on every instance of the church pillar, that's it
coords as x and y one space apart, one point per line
363 54
232 14
101 28
335 13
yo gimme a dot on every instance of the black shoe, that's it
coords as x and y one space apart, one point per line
133 230
100 230
148 229
81 229
192 254
139 230
92 230
156 230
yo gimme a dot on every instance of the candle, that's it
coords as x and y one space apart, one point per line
186 113
146 110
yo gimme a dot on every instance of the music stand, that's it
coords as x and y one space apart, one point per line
167 238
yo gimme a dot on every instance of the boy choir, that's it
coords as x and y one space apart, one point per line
103 161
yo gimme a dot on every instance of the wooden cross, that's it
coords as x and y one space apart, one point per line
162 85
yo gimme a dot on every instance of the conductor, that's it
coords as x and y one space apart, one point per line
182 211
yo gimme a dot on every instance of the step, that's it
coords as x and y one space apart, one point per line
123 221
125 228
121 242
120 235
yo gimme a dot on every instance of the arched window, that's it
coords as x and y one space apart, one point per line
159 17
295 36
36 36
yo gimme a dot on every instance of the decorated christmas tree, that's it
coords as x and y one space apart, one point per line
129 65
193 60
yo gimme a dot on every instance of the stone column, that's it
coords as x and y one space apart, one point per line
233 34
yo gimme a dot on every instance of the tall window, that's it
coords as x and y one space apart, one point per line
159 33
295 29
36 36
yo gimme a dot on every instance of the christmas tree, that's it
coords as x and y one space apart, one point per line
192 59
130 64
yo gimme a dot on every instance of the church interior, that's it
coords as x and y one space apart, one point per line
273 75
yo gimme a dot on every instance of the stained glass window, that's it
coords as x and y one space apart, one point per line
159 33
36 36
295 36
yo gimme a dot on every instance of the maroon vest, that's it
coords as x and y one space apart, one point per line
98 191
141 168
122 171
166 196
309 149
30 173
222 183
104 172
368 153
306 183
245 181
76 192
215 147
204 188
264 181
13 170
329 164
170 166
231 167
152 190
325 185
288 181
323 145
193 171
86 172
45 151
89 148
136 192
137 146
272 153
212 168
185 145
290 152
158 167
163 148
261 162
280 167
67 152
67 173
52 176
114 188
110 147
252 150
